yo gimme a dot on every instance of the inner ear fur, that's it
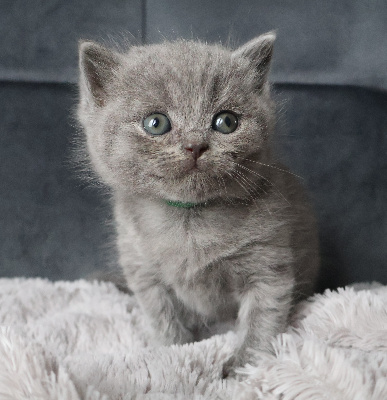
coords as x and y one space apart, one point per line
97 66
259 52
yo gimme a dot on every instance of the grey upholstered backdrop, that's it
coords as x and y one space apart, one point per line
330 79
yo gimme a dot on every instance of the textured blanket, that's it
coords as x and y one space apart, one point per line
82 340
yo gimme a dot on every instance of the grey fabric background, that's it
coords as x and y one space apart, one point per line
330 80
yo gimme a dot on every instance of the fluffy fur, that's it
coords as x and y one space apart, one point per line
82 340
249 246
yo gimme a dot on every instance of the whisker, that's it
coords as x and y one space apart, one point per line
255 190
265 179
243 185
238 182
250 184
274 167
238 165
222 182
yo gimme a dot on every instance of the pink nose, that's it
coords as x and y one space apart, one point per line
196 149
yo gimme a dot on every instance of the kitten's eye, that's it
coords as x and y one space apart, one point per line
225 122
157 124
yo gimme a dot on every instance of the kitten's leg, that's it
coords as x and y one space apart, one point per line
264 311
163 313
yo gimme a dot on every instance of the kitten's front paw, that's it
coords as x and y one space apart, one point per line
230 370
184 336
177 336
234 364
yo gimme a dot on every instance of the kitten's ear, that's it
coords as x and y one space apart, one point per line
259 51
97 66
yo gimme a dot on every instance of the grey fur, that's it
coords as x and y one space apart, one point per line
250 246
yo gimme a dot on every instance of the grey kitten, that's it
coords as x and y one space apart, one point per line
209 228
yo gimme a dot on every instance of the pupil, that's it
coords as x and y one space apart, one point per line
227 121
155 122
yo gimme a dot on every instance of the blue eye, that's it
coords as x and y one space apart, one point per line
157 124
225 122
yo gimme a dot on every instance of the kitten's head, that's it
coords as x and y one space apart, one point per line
179 121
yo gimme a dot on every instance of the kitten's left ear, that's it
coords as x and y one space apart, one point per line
97 66
259 51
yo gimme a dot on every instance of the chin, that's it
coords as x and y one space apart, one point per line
193 186
181 193
195 195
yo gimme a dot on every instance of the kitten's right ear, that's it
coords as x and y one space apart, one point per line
259 52
97 65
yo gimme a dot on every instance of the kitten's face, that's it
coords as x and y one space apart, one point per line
176 121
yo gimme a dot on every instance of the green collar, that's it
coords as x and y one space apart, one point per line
180 204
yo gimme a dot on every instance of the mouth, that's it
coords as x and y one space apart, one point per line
193 166
191 185
194 170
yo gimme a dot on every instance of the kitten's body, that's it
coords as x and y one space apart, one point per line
242 243
207 257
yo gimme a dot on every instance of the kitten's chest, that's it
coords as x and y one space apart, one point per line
183 244
189 250
190 262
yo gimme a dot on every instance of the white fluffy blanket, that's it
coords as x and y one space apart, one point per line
82 340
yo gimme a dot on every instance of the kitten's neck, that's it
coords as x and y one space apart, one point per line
180 204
